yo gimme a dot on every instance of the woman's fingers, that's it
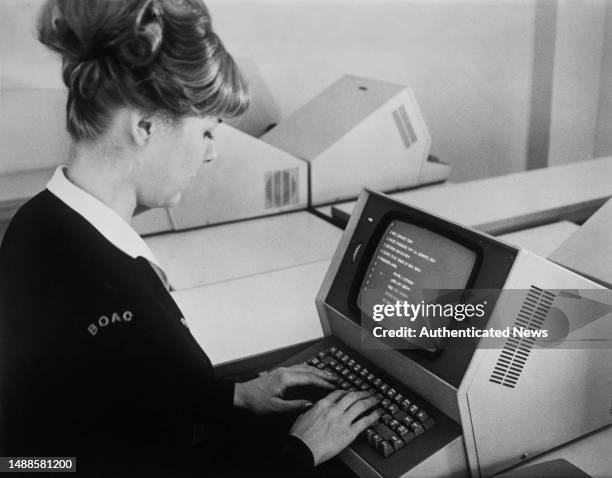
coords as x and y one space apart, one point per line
309 369
365 422
292 378
360 406
350 399
281 405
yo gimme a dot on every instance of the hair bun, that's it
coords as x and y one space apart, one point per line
141 49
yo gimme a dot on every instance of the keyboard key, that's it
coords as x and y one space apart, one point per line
391 393
393 424
345 385
405 405
396 443
320 365
338 354
385 448
400 415
357 368
398 398
375 440
357 382
313 361
320 355
363 373
350 363
422 416
385 403
413 410
345 373
383 387
417 428
384 431
364 387
428 424
408 421
333 363
328 360
338 368
401 431
333 350
367 434
393 409
344 359
408 437
370 377
351 376
377 382
386 418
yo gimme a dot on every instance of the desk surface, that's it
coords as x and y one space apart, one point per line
516 201
253 315
220 253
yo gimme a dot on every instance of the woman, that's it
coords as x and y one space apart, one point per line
97 360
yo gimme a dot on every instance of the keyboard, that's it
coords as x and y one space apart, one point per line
403 420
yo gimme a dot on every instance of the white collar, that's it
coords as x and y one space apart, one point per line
99 215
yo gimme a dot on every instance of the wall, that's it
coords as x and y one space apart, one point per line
580 30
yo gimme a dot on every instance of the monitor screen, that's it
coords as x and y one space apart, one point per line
412 264
377 265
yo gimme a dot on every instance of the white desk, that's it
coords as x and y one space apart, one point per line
542 240
220 253
516 201
253 315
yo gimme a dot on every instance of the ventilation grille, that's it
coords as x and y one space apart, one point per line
404 126
282 188
516 350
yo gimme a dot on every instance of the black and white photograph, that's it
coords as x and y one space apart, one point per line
306 238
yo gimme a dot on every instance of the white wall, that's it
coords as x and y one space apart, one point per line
580 29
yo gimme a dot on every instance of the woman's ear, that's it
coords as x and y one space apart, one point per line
140 128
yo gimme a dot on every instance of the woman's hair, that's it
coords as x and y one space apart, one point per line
160 56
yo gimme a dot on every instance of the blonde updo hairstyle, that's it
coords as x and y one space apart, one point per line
160 56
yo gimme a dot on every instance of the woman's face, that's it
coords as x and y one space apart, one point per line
172 158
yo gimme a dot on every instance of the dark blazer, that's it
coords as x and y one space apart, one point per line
97 361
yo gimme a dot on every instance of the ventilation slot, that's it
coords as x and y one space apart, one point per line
515 353
404 126
282 188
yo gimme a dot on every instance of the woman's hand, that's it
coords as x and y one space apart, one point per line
330 426
265 394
